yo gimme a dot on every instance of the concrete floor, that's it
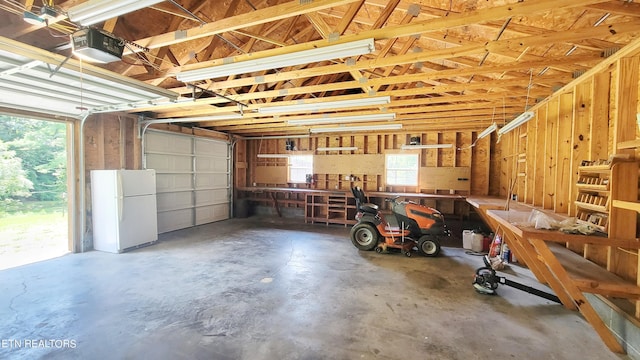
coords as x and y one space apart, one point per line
268 288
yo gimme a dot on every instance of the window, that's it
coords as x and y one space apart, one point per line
402 169
299 167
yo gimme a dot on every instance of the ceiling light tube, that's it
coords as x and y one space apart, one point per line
32 18
427 146
327 105
196 119
521 119
95 11
338 148
342 119
356 128
488 131
353 48
273 156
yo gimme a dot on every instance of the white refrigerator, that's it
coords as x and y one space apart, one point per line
123 209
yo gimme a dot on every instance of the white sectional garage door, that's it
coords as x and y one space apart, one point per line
193 179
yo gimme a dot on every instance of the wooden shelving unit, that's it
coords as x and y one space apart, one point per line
346 181
592 201
598 187
330 208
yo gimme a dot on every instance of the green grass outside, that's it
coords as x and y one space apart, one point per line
32 232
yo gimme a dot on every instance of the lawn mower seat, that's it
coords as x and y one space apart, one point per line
361 201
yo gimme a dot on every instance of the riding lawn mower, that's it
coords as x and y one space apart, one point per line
418 227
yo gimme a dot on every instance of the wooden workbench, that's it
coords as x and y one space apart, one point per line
334 206
567 273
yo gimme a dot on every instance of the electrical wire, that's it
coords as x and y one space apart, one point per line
526 105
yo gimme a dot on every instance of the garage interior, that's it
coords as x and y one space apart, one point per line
259 117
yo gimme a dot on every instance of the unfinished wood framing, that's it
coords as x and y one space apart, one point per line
591 119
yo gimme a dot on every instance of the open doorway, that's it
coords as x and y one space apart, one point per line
33 190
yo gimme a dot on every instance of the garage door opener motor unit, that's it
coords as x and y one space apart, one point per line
98 46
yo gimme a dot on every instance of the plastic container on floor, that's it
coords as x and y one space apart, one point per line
467 239
477 242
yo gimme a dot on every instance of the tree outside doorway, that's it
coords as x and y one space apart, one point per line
33 187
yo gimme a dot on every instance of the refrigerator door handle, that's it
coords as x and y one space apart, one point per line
120 197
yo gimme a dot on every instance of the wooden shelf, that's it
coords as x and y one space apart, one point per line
330 208
592 201
592 187
592 207
596 169
631 144
629 205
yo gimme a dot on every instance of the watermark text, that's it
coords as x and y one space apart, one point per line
37 343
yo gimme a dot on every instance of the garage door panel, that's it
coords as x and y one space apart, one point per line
217 196
169 163
211 181
209 147
207 214
174 200
192 179
162 142
173 182
213 164
175 220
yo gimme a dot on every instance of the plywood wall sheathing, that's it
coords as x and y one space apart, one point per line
564 173
538 158
551 154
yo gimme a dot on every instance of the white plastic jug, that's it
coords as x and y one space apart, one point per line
467 239
476 242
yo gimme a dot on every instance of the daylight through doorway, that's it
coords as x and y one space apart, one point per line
33 191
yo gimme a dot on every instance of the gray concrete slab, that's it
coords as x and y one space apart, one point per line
276 289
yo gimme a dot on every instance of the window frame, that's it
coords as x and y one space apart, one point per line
415 169
291 167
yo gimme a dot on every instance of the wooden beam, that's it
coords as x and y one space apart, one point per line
257 17
608 289
618 7
630 49
629 205
628 72
389 32
579 299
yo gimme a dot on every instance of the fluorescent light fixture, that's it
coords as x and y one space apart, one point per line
486 132
32 18
327 105
521 119
338 148
273 156
95 11
195 119
342 119
427 146
353 48
356 128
